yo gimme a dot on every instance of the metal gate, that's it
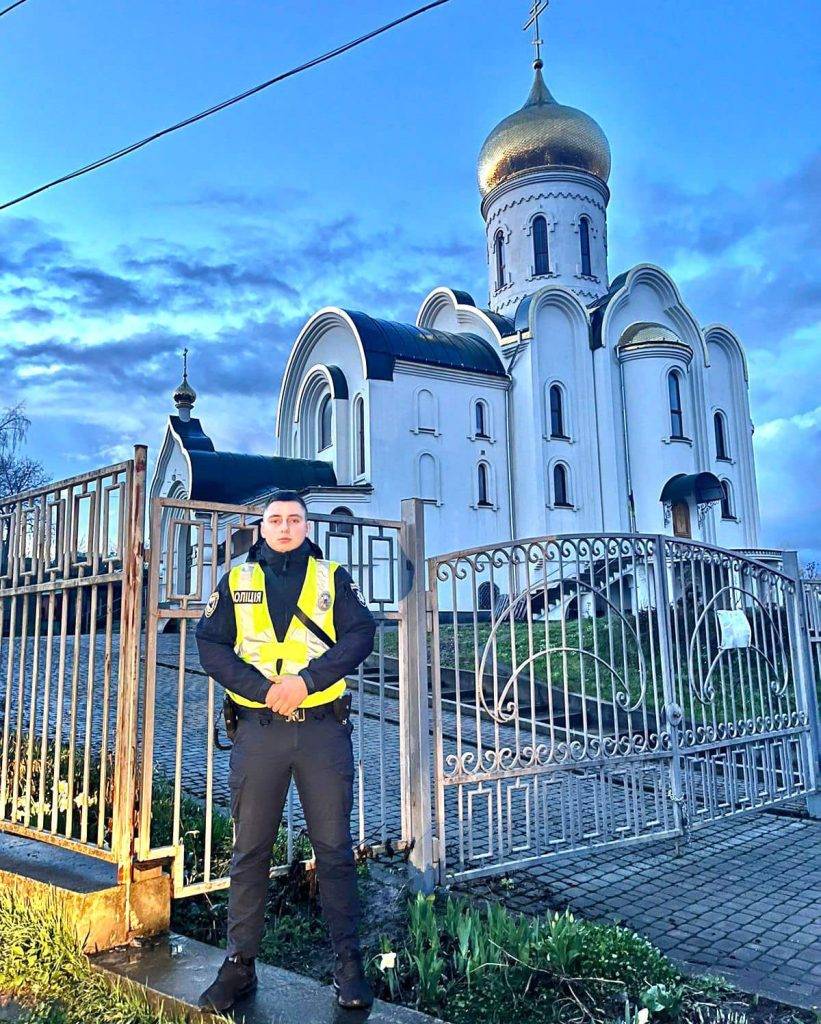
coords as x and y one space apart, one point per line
591 690
71 562
185 803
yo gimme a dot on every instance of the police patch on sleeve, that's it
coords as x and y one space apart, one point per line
211 607
357 593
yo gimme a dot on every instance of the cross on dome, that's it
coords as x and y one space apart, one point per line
184 395
536 11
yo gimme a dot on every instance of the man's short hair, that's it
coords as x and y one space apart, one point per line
283 495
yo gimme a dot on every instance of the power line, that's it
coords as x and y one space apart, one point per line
126 150
11 7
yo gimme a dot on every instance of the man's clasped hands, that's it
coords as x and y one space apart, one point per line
285 694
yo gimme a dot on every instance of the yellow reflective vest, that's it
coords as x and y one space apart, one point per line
257 642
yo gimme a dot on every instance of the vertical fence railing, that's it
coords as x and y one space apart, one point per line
70 577
414 714
184 801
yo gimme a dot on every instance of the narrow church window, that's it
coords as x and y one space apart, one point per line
676 414
426 411
556 412
726 501
427 477
325 423
481 420
560 497
359 427
499 246
721 436
584 242
541 259
484 490
342 529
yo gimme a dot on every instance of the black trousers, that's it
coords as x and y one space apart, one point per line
318 753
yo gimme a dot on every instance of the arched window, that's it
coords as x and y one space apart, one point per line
584 244
726 501
428 489
721 436
426 411
359 438
482 419
325 423
556 412
499 250
484 486
541 260
560 496
342 529
676 413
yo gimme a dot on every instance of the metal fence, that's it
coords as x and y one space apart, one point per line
584 690
185 805
590 690
70 595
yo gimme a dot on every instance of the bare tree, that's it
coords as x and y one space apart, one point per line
17 471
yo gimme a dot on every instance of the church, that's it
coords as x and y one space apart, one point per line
571 402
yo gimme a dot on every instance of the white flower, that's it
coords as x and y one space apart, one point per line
643 1016
387 961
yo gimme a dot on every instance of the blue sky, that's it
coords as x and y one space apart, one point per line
355 185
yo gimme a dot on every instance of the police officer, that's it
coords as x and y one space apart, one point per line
280 633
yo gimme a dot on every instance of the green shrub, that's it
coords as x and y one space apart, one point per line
488 966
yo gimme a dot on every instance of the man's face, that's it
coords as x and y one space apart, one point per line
284 525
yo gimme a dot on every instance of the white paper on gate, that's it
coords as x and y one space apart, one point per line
735 629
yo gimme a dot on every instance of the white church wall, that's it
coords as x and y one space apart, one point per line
562 359
655 455
563 197
728 394
425 445
529 493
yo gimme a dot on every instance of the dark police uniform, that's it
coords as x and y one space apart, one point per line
269 749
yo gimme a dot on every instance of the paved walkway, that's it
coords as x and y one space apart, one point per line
742 899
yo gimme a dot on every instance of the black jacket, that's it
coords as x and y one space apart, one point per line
284 576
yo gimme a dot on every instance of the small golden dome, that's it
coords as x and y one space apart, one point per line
542 134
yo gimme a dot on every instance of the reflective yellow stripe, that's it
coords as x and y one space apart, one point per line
257 642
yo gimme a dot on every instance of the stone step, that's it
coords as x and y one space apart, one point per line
174 970
87 890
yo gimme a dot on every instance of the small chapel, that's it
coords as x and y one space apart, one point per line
570 402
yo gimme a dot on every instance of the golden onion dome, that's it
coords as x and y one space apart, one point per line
543 134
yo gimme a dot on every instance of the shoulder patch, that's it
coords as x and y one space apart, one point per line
357 593
211 607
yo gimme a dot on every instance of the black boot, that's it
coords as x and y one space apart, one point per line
236 979
352 989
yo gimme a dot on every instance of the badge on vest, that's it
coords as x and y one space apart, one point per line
248 596
324 601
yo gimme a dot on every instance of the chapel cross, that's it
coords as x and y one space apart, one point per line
537 9
185 364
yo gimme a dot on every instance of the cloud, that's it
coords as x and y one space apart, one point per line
788 458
